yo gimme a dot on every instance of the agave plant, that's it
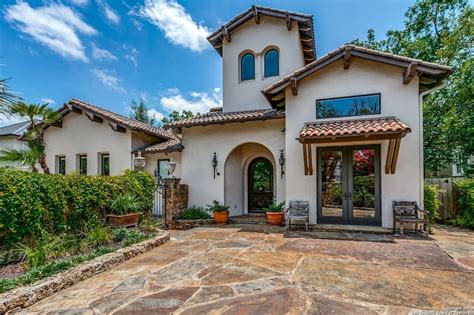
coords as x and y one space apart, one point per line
124 204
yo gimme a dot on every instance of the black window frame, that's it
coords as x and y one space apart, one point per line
102 156
61 170
80 157
346 97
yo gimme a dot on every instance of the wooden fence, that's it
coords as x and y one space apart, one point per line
447 195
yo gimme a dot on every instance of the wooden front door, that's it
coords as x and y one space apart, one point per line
260 184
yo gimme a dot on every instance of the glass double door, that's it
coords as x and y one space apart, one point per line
349 185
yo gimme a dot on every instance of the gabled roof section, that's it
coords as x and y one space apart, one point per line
14 130
220 118
172 145
430 74
305 27
119 122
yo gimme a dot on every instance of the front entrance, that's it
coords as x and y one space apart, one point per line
349 185
260 184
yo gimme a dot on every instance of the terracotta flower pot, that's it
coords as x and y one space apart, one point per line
275 218
221 217
129 219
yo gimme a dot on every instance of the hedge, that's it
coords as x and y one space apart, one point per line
431 202
465 193
34 204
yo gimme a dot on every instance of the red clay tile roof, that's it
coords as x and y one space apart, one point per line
433 72
215 118
172 145
353 127
305 27
124 121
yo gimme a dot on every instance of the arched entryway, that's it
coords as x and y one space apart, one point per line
249 159
259 184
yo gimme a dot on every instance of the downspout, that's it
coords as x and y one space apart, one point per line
420 125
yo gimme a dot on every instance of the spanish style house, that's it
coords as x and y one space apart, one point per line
342 131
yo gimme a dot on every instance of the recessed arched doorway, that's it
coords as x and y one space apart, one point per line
260 184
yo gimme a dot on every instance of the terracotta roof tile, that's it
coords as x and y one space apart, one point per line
353 127
171 145
120 119
214 118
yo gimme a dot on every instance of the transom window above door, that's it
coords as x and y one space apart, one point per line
359 105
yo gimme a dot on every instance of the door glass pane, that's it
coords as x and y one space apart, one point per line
332 190
363 183
105 167
83 164
163 167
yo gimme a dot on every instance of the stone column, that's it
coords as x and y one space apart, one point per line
175 198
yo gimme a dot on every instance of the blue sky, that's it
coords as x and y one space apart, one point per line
109 51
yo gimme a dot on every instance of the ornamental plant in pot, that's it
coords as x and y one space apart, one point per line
275 213
124 211
220 212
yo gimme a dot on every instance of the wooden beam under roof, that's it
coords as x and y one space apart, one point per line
256 16
74 108
388 161
57 123
93 117
118 128
305 159
310 160
226 34
288 21
294 86
396 149
347 58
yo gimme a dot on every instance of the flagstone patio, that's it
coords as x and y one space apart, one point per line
230 271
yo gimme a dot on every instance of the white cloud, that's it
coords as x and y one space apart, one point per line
102 54
50 101
131 54
155 114
54 25
81 3
108 79
109 13
200 102
178 26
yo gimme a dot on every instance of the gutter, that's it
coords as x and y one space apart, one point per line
421 147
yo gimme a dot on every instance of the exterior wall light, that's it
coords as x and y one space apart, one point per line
281 160
171 168
214 164
139 161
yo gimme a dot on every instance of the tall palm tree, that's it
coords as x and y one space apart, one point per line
28 157
7 97
37 115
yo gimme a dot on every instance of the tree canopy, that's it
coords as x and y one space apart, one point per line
141 112
440 31
175 116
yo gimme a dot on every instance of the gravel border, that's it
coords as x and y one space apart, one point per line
27 295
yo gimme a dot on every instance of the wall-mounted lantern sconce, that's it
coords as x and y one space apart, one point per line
171 168
281 160
139 161
214 164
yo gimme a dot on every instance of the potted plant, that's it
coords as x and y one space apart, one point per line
124 211
220 212
275 213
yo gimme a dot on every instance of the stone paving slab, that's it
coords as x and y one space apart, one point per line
234 271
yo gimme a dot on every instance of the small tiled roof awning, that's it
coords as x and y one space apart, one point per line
354 130
380 128
219 118
172 145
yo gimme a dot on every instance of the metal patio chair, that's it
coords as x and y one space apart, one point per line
297 210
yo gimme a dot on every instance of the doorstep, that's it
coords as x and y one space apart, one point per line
351 228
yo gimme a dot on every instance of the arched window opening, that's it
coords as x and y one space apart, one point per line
247 67
272 67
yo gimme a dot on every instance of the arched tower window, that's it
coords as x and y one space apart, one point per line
247 67
272 63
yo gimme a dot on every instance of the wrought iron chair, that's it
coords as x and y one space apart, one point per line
297 210
409 212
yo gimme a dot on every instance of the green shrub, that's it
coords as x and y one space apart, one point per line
34 204
275 206
124 204
431 202
216 206
119 234
194 213
134 236
41 251
96 235
465 191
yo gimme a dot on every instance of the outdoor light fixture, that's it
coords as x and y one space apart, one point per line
139 161
214 164
281 160
171 168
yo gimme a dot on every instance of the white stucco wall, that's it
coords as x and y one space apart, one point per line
254 37
79 135
397 99
200 143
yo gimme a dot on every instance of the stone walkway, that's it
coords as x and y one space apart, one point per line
227 271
